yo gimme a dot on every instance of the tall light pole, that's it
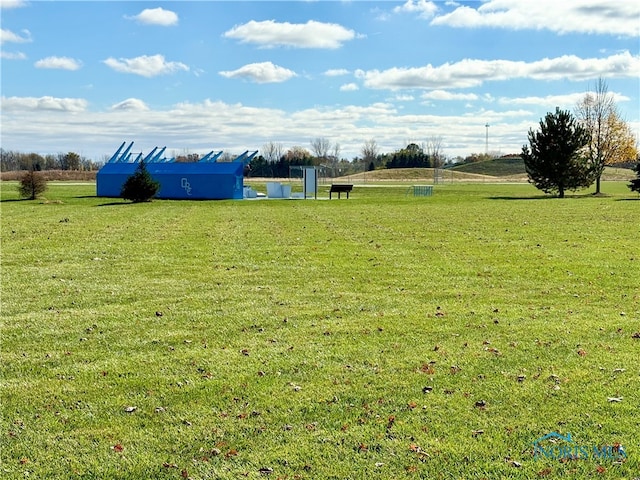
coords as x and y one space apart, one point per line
486 140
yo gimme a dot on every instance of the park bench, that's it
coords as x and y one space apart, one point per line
340 188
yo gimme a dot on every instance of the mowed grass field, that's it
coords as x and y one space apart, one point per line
385 336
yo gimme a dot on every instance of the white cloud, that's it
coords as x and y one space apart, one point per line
42 126
264 72
567 16
312 34
349 87
470 73
551 101
12 55
12 3
146 66
445 95
336 72
44 103
403 98
156 16
130 105
59 63
7 36
424 8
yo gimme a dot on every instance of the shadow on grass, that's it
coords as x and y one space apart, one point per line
7 200
537 197
547 197
108 204
111 204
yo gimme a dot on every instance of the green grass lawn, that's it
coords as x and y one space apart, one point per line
384 336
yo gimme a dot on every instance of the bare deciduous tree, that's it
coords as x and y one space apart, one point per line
272 151
433 148
335 152
369 151
610 137
321 147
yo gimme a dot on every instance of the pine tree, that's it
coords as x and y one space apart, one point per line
555 160
635 183
140 187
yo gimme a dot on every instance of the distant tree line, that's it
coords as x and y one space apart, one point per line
13 161
274 161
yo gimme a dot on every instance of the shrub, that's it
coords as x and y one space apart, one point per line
635 183
140 187
32 185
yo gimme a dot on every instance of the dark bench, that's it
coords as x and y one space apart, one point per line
340 188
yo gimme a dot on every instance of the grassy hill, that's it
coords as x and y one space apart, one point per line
497 167
497 170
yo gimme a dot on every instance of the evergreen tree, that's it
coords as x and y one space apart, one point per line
140 187
32 184
635 183
555 158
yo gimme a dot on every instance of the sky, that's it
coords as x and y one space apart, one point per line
197 76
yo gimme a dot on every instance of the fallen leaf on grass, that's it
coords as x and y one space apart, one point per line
266 470
427 368
392 420
600 469
130 409
117 448
582 352
475 433
417 450
544 472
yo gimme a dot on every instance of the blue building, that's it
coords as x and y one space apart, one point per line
205 179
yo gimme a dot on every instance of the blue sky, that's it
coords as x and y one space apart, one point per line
197 76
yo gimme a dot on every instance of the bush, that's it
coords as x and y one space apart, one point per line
32 185
140 187
635 183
